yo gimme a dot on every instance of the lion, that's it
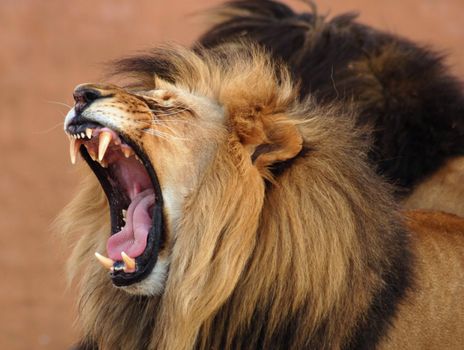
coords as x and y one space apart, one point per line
227 213
400 90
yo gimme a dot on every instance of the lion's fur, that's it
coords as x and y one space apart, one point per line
444 189
432 318
402 90
298 246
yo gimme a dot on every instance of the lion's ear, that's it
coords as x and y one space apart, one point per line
270 139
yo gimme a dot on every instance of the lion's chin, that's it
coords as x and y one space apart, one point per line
135 200
153 285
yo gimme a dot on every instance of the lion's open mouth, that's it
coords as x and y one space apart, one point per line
134 196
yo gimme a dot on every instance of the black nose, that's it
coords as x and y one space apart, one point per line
84 95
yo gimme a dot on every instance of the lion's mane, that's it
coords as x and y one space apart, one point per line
402 90
304 252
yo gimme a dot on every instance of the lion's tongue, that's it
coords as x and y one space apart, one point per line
132 239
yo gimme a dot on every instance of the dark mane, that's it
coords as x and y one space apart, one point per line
402 91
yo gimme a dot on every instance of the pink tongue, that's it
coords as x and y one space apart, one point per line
132 239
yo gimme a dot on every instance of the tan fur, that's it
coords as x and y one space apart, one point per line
443 190
320 234
432 317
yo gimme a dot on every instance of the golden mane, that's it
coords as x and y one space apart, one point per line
299 246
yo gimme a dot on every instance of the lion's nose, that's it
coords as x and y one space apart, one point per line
84 95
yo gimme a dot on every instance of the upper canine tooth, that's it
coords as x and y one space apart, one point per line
88 132
73 149
129 262
106 262
104 140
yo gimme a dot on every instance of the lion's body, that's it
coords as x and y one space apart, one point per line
431 317
285 238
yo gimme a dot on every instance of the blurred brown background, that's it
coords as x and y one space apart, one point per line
46 48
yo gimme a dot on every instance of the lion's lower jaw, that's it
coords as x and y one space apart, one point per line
153 285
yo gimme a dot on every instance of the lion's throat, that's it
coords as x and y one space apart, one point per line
132 239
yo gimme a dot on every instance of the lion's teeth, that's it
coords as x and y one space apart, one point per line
73 149
88 132
124 214
91 152
82 135
104 140
127 151
106 262
129 262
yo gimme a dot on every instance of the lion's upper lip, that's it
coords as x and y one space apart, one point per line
132 190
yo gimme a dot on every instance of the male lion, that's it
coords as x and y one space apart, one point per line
400 90
242 218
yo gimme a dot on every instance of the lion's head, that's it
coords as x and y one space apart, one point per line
239 217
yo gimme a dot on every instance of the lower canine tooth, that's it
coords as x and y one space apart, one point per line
129 262
106 262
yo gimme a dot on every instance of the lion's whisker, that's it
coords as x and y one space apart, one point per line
59 103
173 113
157 134
163 135
169 128
49 129
161 121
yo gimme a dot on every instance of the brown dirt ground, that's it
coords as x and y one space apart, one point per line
47 47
